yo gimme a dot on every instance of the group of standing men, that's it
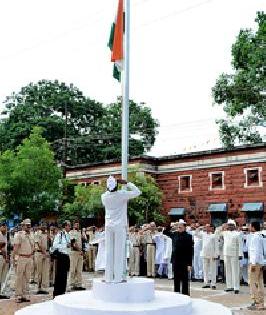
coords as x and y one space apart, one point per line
42 256
180 251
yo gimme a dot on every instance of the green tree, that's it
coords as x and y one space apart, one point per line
30 178
81 130
87 202
145 208
241 93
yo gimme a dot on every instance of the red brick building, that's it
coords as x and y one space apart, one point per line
207 186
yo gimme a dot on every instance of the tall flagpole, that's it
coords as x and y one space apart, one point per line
125 88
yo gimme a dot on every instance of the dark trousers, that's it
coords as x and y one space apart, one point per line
61 270
181 279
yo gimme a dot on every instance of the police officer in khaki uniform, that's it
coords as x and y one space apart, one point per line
23 247
33 234
76 258
134 255
150 246
42 260
4 259
91 249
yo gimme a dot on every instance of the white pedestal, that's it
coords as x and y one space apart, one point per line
135 290
136 297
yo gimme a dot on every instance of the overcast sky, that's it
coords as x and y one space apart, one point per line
178 49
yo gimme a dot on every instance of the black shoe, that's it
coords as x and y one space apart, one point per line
213 287
4 297
79 289
42 292
25 300
228 290
236 291
206 287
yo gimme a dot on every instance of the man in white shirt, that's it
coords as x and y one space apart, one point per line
233 253
210 253
197 258
256 263
61 246
115 203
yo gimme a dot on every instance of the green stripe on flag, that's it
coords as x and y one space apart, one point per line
116 73
111 38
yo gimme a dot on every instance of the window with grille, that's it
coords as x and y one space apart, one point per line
253 177
185 183
216 180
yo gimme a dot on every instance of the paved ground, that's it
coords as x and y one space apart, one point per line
237 303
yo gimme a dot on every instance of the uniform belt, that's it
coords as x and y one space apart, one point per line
151 244
135 245
25 256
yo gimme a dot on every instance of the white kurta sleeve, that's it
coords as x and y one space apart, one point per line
132 193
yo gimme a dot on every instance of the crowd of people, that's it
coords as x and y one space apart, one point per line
53 256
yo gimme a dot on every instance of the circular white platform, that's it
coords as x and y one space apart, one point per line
135 290
135 297
83 303
198 307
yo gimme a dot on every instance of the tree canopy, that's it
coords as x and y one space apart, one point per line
145 208
81 130
242 93
30 178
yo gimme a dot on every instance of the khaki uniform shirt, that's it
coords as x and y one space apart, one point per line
25 242
42 242
76 235
149 237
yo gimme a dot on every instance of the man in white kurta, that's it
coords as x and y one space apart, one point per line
210 253
197 258
115 203
233 253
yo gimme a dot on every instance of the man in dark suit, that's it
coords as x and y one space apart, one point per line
182 257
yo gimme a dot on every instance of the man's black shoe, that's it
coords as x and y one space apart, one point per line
206 287
25 300
4 297
42 292
236 291
228 290
213 287
79 289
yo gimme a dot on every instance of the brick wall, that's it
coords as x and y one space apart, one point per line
166 171
196 201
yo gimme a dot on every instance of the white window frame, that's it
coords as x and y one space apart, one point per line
210 179
179 183
260 184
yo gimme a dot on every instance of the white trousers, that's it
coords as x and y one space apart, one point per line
197 266
170 270
115 242
209 271
232 272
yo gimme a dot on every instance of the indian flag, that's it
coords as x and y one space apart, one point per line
116 41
